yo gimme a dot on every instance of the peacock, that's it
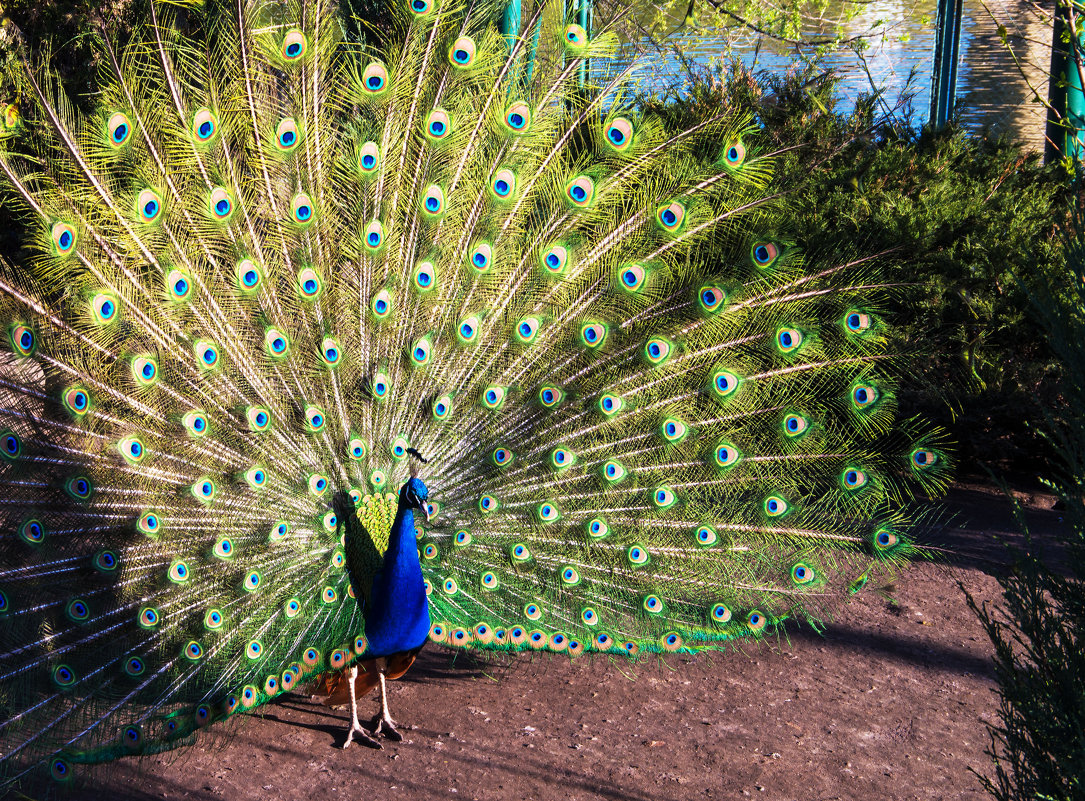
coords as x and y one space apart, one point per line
324 346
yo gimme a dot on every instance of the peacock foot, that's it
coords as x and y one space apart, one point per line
383 724
364 737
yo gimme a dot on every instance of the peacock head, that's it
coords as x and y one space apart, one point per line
414 496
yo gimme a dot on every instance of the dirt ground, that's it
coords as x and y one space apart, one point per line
889 703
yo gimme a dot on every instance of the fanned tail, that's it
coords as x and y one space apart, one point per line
272 263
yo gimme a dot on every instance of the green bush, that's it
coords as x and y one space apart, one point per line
1038 747
963 215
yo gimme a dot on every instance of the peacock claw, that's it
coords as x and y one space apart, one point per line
383 724
364 737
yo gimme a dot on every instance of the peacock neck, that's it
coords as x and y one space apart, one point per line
401 558
397 615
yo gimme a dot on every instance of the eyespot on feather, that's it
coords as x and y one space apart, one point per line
205 126
575 38
503 184
517 117
373 237
220 204
286 135
148 206
481 257
301 209
764 254
433 202
671 216
438 126
618 134
580 192
294 45
118 129
375 81
462 53
555 259
249 276
369 158
63 237
734 155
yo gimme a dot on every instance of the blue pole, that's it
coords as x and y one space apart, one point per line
583 19
510 23
1066 115
947 52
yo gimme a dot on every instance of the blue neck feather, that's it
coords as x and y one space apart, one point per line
397 615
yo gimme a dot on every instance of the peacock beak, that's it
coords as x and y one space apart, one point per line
427 510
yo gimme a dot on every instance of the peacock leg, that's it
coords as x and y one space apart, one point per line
355 727
382 722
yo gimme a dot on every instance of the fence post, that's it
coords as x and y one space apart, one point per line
947 50
1066 114
583 19
510 23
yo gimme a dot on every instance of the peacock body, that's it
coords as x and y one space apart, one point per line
272 264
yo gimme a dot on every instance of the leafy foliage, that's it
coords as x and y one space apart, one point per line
965 215
1039 747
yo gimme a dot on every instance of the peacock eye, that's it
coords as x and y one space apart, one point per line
518 117
148 206
433 201
674 429
467 331
301 209
438 125
64 238
555 259
631 278
503 184
788 340
314 418
711 298
493 396
619 134
575 38
724 383
734 154
764 254
671 216
425 276
374 236
286 135
294 45
657 350
375 79
727 455
795 425
526 330
369 158
481 257
330 351
204 125
462 52
276 343
119 129
614 471
580 191
593 335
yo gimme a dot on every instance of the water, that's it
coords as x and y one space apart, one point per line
996 95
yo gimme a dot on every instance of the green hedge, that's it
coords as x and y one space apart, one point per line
967 216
